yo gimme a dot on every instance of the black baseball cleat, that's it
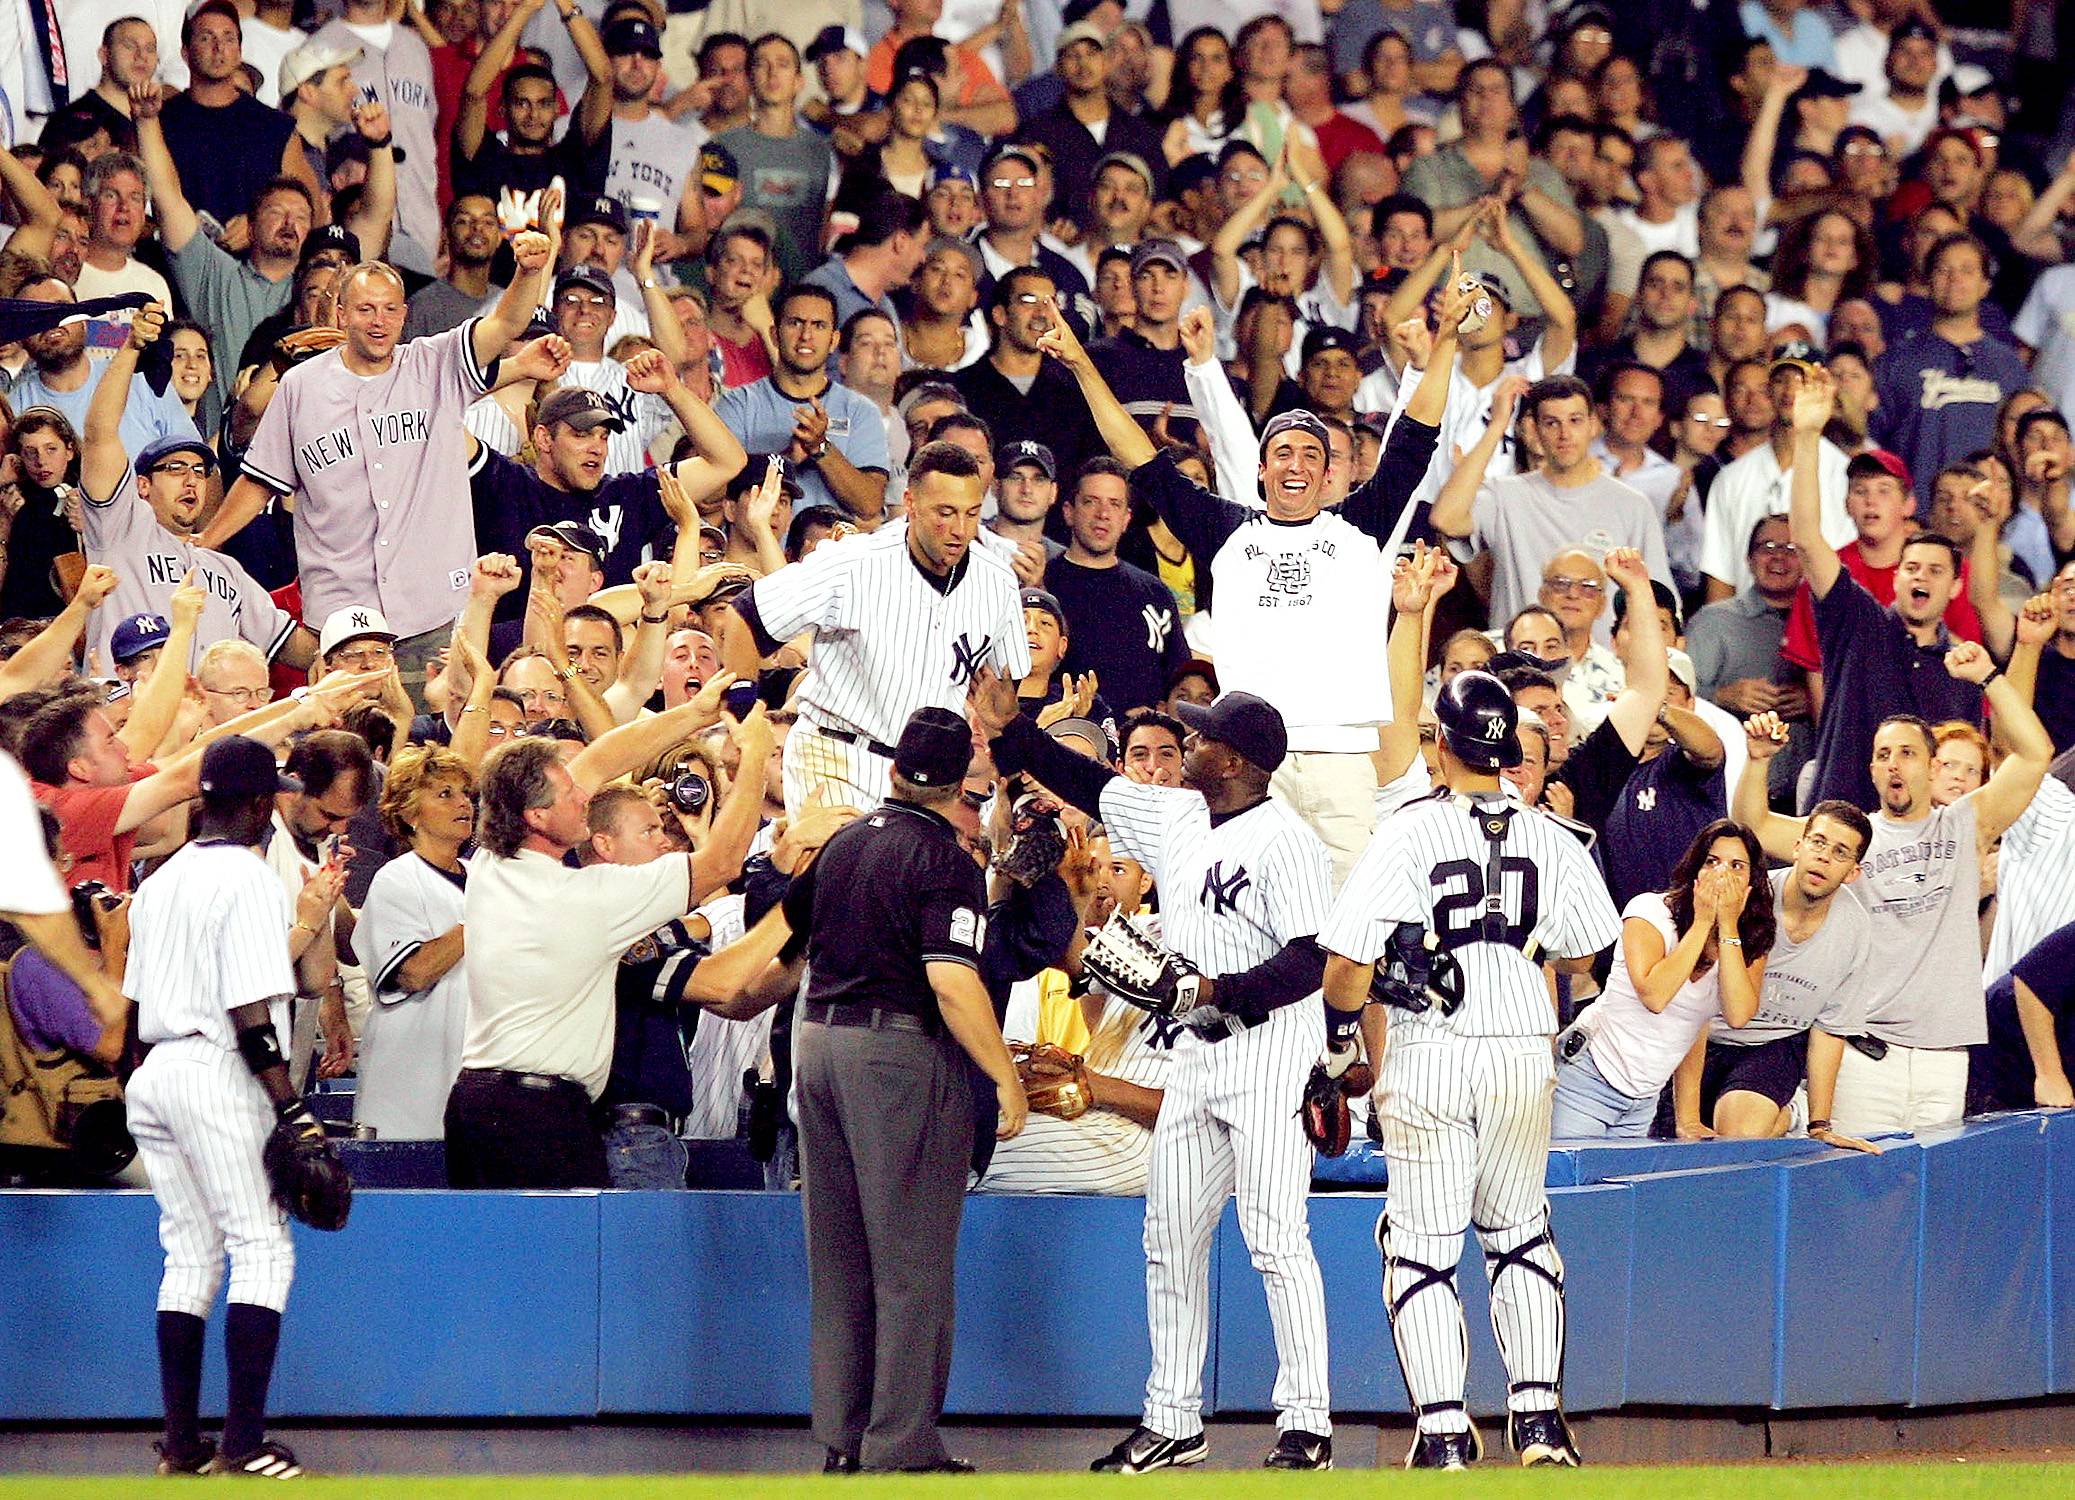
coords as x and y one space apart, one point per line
195 1460
1445 1450
834 1462
270 1460
1542 1439
1300 1450
1145 1450
945 1466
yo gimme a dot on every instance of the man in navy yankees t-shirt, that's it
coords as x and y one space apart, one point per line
1122 623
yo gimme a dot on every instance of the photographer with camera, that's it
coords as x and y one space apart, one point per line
64 1050
651 1088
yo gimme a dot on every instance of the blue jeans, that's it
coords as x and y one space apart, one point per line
1590 1108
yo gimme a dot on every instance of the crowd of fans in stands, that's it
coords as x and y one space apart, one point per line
1778 297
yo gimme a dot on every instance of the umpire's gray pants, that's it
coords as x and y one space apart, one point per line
886 1133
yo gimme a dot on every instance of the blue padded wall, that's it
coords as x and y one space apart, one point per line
1746 1275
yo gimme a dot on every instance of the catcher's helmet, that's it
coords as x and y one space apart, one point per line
1479 721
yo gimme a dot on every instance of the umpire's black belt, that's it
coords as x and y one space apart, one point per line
873 1017
545 1082
852 737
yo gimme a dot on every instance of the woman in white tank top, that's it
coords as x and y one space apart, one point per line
1687 954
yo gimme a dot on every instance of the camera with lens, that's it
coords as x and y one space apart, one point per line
87 897
689 792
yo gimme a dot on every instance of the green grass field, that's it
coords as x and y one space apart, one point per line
1939 1479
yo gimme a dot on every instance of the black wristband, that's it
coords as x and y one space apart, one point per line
1994 673
375 145
649 619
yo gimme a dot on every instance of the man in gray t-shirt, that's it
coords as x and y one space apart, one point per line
787 170
1920 1001
1569 500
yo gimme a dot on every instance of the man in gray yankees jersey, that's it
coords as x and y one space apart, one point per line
143 527
368 438
1461 895
1246 885
901 620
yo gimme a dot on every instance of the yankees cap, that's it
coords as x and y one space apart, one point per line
1049 603
137 635
629 34
1027 451
833 39
574 535
351 624
155 453
590 278
1323 336
935 748
596 209
580 411
750 477
238 767
330 237
1252 726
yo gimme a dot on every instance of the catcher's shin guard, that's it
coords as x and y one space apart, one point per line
1427 1330
1527 1311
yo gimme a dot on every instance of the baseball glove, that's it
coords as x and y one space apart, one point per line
1324 1108
292 349
1137 970
1055 1081
308 1179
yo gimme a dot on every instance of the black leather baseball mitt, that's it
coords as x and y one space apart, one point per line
308 1179
1324 1108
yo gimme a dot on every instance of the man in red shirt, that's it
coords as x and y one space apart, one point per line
1308 90
84 776
1882 506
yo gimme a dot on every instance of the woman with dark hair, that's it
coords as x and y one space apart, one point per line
1822 260
906 158
1206 102
1620 97
1687 954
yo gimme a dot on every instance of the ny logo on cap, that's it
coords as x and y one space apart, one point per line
143 622
361 620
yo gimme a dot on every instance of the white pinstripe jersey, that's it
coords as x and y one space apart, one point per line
208 933
1233 894
886 641
1426 865
2035 878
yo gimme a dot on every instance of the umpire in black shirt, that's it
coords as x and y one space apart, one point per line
894 918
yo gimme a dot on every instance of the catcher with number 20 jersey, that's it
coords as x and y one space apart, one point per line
1245 884
1444 922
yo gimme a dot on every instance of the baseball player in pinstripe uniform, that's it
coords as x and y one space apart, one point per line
901 620
209 968
368 438
1246 885
1459 896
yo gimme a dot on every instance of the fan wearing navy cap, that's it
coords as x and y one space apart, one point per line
1046 633
1122 624
645 390
1142 365
570 480
892 918
143 526
1905 111
652 156
1303 592
525 156
837 56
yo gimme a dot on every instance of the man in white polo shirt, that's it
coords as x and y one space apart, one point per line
541 1005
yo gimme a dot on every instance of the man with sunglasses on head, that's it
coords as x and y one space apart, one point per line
1021 395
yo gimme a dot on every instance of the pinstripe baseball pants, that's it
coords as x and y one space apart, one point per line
1466 1135
200 1122
1229 1127
845 774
